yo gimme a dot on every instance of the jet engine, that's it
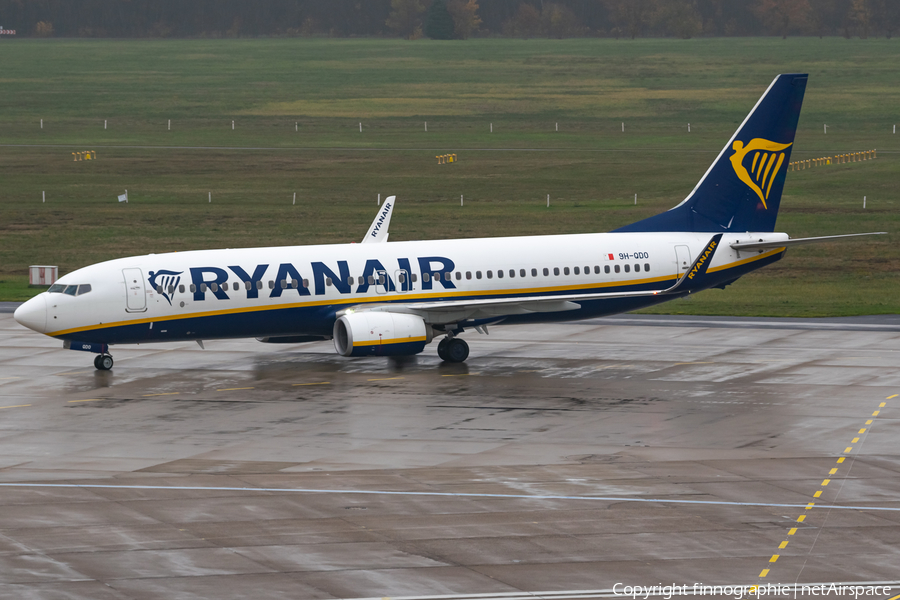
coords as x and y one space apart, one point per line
377 333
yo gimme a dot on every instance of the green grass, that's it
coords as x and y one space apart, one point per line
591 169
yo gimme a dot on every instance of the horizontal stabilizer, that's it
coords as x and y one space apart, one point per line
760 245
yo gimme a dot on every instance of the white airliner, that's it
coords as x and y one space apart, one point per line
393 298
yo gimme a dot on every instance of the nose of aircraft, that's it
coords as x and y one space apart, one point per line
33 314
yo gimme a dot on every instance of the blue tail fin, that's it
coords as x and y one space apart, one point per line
741 191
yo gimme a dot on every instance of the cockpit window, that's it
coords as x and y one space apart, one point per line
71 290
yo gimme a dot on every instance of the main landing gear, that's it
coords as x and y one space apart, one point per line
103 362
453 350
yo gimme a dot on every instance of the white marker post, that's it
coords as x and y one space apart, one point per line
689 127
557 126
42 126
623 127
379 199
296 126
295 199
635 199
824 128
426 125
210 197
360 127
232 125
548 200
169 127
492 128
460 200
43 196
104 123
864 201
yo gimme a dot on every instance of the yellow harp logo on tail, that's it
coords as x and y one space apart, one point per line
767 159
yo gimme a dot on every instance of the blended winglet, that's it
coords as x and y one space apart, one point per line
378 232
692 280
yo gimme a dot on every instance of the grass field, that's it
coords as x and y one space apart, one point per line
297 105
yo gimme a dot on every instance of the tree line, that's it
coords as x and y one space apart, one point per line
450 19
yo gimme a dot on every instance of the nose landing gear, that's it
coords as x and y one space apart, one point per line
453 350
103 362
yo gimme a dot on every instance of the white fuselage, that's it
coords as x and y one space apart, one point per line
297 290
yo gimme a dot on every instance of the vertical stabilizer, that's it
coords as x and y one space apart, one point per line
741 191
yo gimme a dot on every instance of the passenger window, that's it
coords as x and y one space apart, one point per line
617 268
490 275
193 288
236 286
295 284
282 283
458 275
566 270
426 277
415 277
56 288
381 280
84 288
468 274
637 268
349 281
512 272
71 290
597 269
577 271
203 287
401 277
259 284
271 285
371 280
627 268
247 285
328 281
436 276
533 273
587 270
556 271
647 267
360 280
181 289
499 274
171 290
306 283
159 290
546 271
477 274
606 269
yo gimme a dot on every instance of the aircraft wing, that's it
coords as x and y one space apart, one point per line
378 232
448 311
751 245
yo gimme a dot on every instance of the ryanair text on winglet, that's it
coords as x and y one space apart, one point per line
709 250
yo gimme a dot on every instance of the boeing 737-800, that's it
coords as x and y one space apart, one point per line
393 298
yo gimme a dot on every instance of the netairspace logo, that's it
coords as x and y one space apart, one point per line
795 590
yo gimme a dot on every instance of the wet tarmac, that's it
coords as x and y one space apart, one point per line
558 462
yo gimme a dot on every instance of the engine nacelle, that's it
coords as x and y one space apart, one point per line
377 333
